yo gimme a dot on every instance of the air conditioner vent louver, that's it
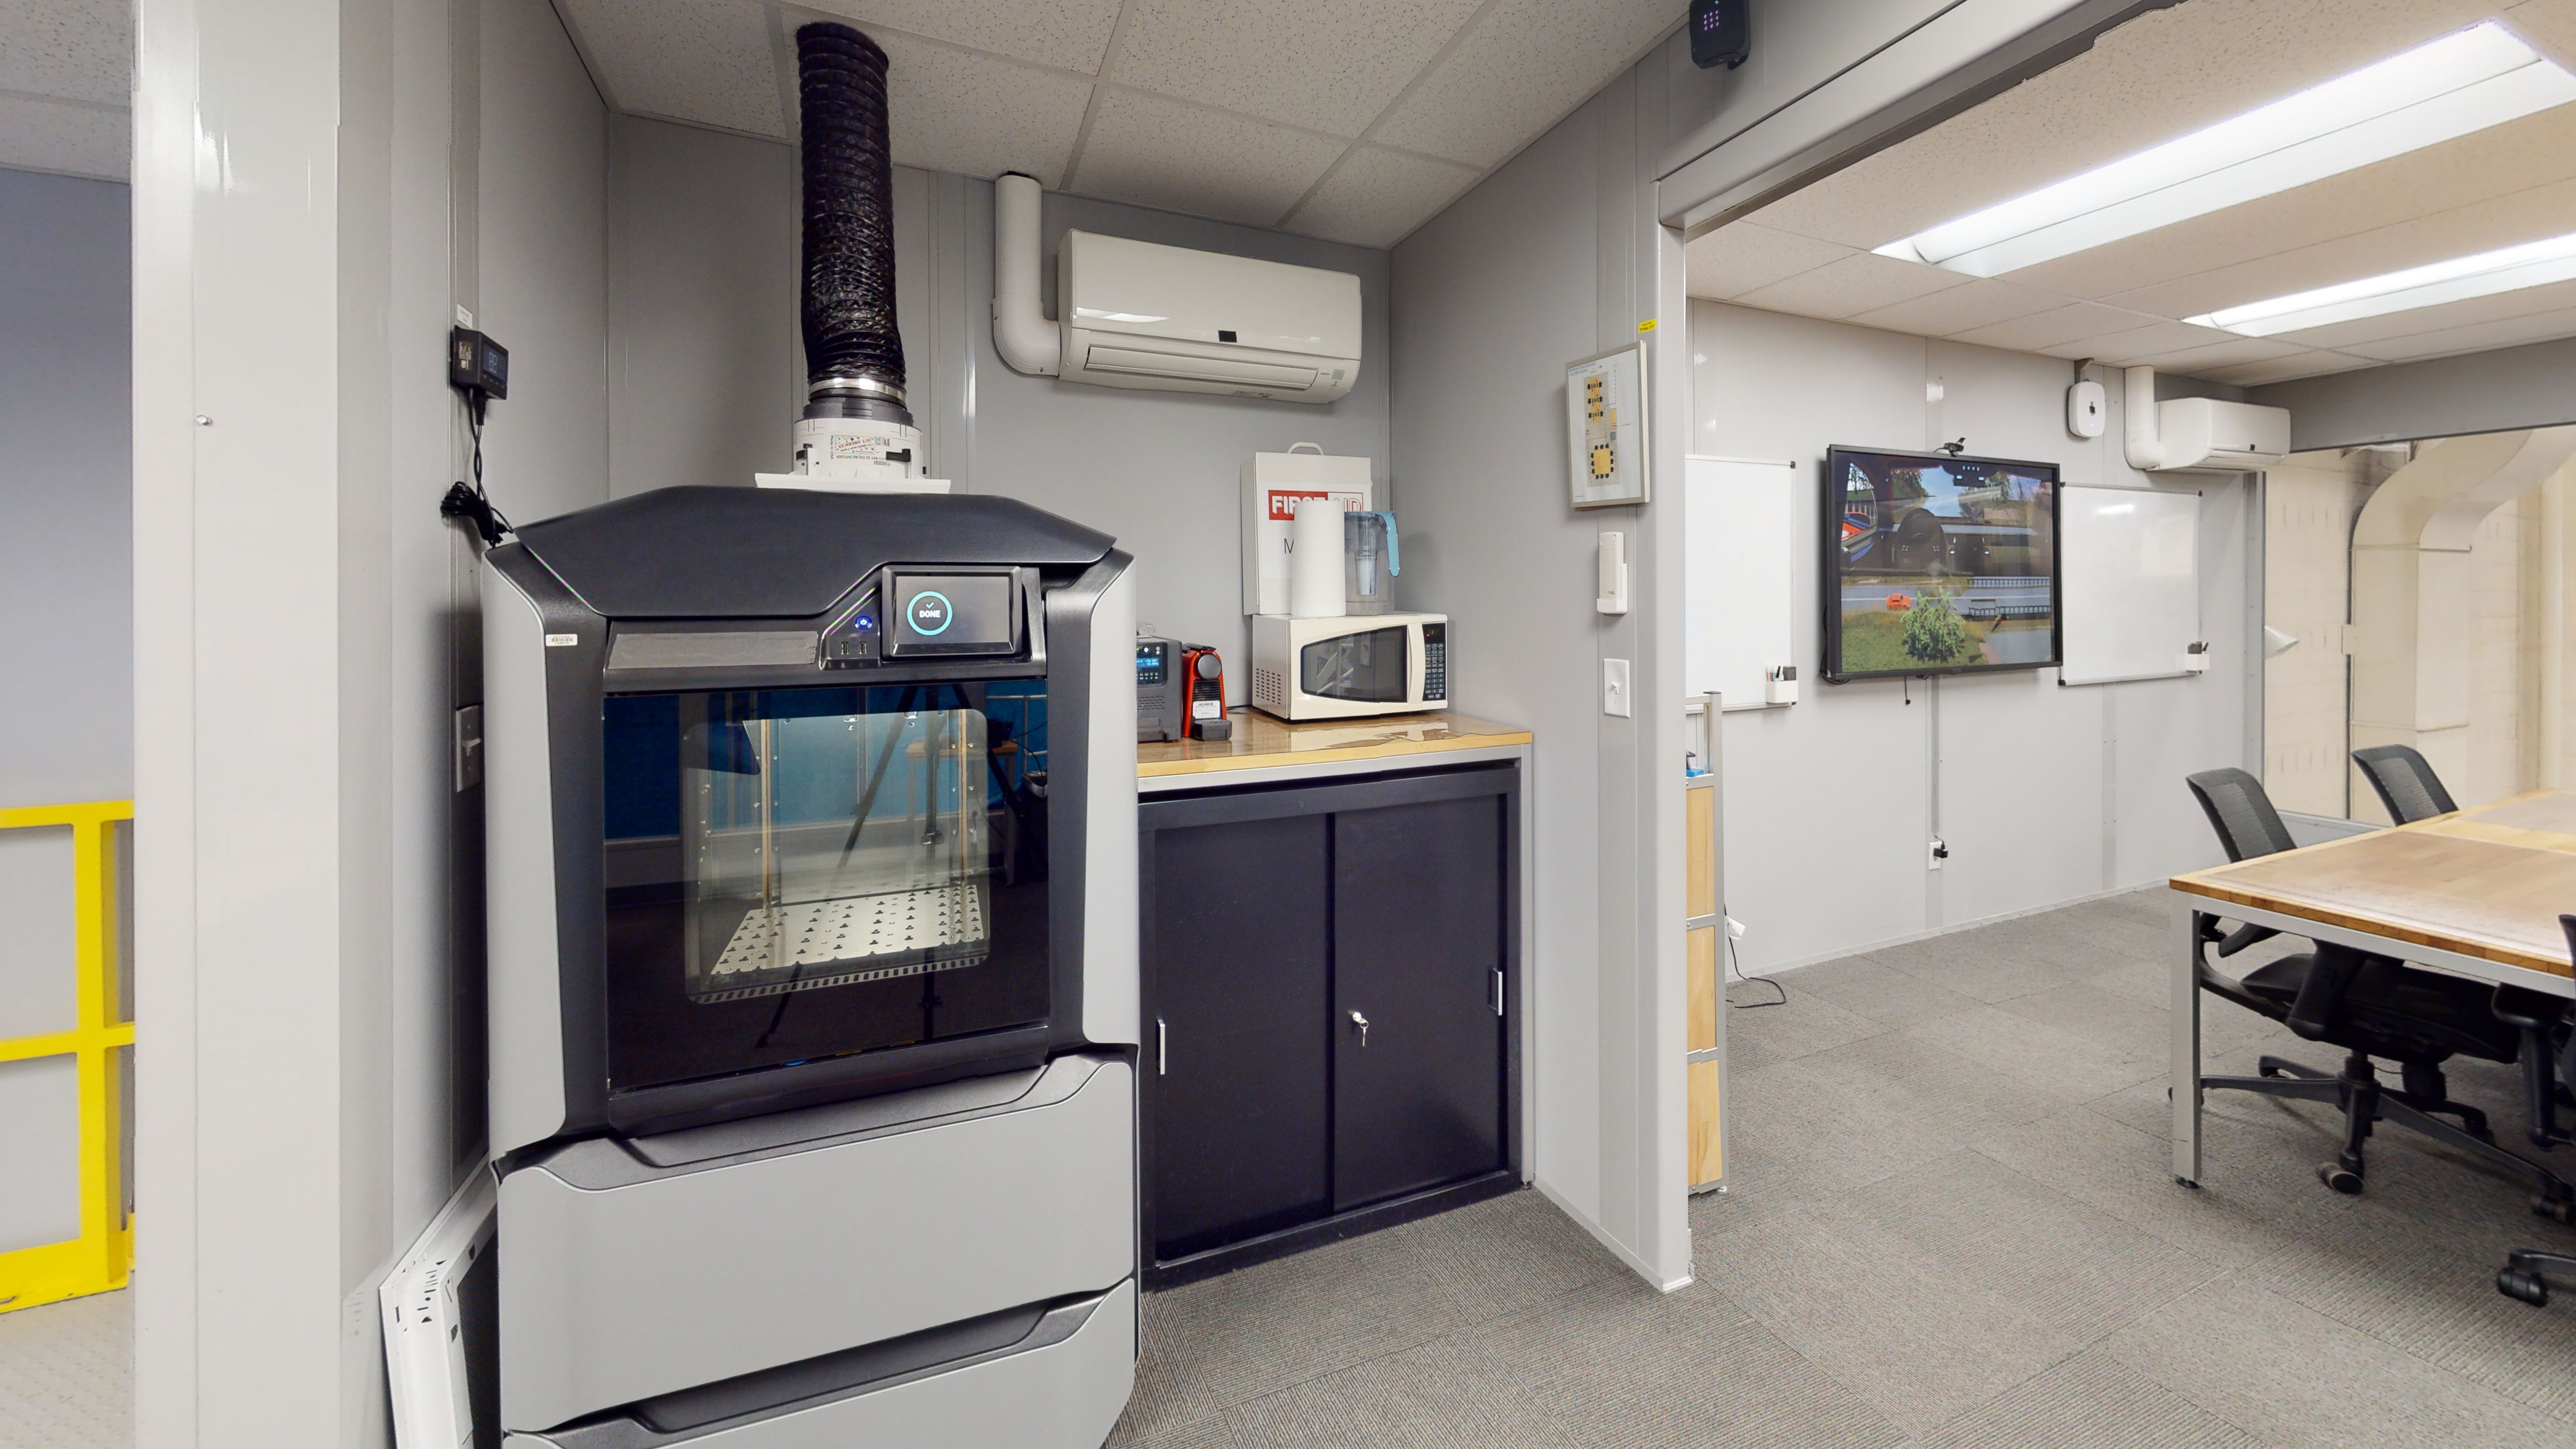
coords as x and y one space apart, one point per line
1139 315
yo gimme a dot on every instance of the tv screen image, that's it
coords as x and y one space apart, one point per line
1938 565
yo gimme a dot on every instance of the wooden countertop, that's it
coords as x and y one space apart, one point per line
1261 742
2486 882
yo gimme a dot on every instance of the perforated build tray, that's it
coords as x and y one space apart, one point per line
803 945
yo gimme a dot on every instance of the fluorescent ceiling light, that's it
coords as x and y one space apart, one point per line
2508 269
2463 82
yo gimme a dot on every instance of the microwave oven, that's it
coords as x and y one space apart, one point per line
1359 664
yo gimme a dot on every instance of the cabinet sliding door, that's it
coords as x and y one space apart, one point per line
1418 948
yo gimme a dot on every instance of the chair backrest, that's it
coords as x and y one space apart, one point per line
2405 782
2241 813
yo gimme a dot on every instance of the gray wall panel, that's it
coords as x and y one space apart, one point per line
1495 296
2484 392
66 490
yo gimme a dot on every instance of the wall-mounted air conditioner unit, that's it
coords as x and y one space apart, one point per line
1137 314
2199 434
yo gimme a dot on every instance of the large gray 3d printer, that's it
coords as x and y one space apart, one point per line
811 874
812 1019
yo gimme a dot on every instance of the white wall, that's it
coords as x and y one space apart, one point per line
2045 794
708 369
301 1090
1556 256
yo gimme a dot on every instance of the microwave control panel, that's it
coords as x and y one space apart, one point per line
1435 663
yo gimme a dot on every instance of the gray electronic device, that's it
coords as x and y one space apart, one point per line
1162 695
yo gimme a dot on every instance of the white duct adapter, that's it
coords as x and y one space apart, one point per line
855 455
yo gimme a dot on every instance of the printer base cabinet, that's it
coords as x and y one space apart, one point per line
1330 1011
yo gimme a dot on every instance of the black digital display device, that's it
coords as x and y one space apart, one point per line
953 613
1721 33
477 364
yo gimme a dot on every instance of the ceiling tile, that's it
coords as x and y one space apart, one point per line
2308 362
1072 34
1522 66
976 115
2547 210
1858 283
688 60
1378 196
2499 178
2195 361
39 135
1350 57
2474 337
2120 349
2363 335
2549 26
80 50
2041 331
2165 74
1155 152
1735 259
1980 303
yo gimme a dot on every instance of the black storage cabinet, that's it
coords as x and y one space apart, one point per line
1331 994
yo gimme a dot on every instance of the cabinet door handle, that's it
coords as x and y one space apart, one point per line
1162 1047
1362 1023
1498 991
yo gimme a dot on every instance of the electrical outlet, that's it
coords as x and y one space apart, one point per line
1937 852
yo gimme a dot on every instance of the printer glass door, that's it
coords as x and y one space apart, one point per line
805 873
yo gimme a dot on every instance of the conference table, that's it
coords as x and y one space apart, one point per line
2476 893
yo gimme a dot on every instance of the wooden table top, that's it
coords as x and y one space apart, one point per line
1261 741
2487 882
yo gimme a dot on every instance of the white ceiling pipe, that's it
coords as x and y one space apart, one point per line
1021 331
2146 438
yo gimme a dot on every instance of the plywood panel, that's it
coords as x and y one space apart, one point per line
1703 988
1701 892
1707 1152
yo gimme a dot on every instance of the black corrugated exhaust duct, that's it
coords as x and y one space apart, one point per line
853 355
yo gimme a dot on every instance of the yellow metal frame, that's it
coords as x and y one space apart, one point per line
101 1257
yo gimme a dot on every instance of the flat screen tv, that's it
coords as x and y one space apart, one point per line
1938 565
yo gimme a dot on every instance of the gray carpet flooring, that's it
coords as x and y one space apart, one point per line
1952 1223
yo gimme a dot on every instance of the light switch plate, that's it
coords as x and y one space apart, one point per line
1614 688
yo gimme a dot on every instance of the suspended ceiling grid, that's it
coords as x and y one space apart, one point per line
64 68
1352 120
2163 75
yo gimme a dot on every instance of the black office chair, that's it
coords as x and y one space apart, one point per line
2370 1005
2527 1271
2405 783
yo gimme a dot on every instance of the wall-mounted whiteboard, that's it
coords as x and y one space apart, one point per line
2129 564
1739 539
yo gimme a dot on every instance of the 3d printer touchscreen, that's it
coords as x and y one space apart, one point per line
952 614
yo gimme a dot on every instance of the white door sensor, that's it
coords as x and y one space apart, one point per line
1614 575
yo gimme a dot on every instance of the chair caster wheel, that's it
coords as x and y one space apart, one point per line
2559 1209
2339 1177
2531 1288
2266 1069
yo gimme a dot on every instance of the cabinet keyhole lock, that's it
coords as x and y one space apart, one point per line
1362 1023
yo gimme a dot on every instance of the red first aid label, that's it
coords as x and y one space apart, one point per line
1284 503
